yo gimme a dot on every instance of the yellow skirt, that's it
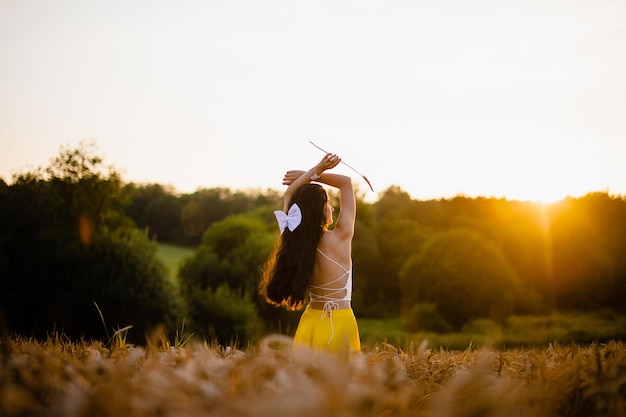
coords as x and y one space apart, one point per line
336 332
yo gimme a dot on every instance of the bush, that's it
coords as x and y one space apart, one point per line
223 314
425 317
129 283
220 280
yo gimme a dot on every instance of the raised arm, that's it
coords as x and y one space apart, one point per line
295 179
347 203
347 209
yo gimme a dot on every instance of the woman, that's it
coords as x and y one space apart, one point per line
313 262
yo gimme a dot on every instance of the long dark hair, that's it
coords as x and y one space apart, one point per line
287 273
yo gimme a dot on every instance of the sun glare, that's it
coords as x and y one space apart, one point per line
551 170
547 189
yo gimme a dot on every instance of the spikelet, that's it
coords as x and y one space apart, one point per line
61 378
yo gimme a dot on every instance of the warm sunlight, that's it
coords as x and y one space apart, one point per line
440 99
553 168
474 264
532 162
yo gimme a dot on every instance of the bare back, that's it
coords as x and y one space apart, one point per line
332 270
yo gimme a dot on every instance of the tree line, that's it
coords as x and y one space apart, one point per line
78 255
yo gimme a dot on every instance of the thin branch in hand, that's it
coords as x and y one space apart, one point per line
364 177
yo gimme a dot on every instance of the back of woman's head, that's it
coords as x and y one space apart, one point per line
312 200
287 273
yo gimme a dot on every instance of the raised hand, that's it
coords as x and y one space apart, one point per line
291 176
330 160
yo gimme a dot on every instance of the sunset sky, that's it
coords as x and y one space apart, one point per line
515 99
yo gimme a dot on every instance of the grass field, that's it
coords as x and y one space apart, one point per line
58 377
171 256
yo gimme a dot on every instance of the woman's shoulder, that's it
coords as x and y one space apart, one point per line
335 244
343 231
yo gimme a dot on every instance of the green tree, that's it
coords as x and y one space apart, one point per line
519 231
366 261
157 210
607 213
182 219
464 275
384 237
66 245
583 272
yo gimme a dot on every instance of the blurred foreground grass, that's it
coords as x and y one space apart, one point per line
58 377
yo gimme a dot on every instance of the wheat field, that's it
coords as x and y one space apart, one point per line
58 377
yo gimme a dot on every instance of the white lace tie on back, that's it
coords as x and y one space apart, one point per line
331 299
329 306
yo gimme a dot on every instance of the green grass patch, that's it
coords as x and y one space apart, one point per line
517 331
374 331
172 256
564 328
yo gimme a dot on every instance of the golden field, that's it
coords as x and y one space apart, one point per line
59 377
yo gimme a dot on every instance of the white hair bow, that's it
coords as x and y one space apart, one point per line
291 220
